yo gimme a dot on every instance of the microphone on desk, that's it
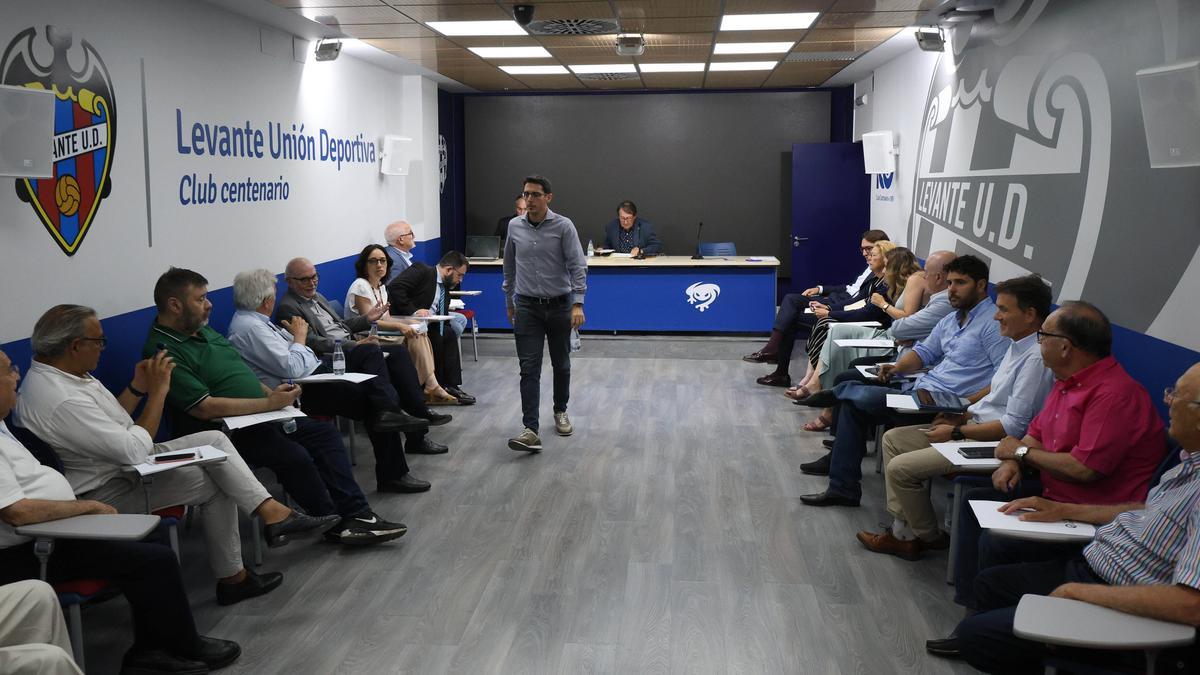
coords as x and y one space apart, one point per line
697 256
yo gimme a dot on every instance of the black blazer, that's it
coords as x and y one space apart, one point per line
413 289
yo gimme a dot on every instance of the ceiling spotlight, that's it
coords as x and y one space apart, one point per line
930 40
328 50
630 45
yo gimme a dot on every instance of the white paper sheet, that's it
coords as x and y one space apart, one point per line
207 454
330 377
902 402
243 421
431 317
869 343
992 519
454 294
949 450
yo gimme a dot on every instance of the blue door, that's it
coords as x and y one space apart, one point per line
831 208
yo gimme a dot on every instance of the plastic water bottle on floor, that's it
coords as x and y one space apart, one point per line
339 358
576 343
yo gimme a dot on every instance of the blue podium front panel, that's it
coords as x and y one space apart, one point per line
702 299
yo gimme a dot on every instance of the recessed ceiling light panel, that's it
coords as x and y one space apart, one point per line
470 28
671 67
511 52
742 65
535 70
603 68
752 47
797 20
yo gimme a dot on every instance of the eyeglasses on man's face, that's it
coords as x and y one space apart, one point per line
101 342
406 234
306 280
1169 397
533 195
1041 335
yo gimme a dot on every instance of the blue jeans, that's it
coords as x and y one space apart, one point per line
536 322
860 408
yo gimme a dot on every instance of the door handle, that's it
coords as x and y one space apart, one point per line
796 241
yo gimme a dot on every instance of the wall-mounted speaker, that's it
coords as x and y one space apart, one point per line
879 151
396 155
1170 96
26 132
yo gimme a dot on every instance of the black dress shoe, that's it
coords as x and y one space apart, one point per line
817 467
252 586
827 443
761 357
822 399
435 418
405 484
947 648
385 421
828 498
159 661
216 653
279 533
463 397
425 447
774 380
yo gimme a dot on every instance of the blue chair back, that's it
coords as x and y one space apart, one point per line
717 248
38 448
1168 461
338 308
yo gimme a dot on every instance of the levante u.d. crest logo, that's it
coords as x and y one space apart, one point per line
85 131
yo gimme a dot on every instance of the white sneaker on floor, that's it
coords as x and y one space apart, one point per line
562 424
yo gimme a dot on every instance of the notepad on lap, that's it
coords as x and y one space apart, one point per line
991 519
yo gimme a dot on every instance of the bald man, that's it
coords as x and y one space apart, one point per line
400 243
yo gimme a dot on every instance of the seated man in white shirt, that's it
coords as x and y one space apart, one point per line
94 435
33 636
1005 408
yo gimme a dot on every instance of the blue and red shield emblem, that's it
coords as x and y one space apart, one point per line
85 132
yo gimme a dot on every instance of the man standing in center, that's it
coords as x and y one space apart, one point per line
545 278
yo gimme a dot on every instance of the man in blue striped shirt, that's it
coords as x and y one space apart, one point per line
1145 560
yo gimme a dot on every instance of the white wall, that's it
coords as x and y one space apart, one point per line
208 64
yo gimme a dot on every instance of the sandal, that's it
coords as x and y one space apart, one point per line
798 392
439 396
822 423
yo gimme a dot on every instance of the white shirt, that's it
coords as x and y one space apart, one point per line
361 288
83 422
23 477
1019 387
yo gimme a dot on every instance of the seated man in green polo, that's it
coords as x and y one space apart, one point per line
210 381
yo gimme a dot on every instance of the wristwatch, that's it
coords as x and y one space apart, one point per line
1019 454
956 433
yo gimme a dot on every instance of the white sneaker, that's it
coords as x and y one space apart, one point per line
562 424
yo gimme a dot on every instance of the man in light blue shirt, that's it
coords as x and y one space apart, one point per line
1006 408
963 352
545 278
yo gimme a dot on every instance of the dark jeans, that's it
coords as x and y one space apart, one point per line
147 574
395 385
534 322
311 463
978 550
447 361
860 408
349 400
987 639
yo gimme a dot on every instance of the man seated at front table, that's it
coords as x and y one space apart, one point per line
210 382
1014 396
93 434
1144 560
519 209
422 290
165 637
962 353
629 233
277 355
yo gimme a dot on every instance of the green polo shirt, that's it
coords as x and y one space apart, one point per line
206 364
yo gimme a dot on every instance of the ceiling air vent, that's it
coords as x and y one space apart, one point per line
805 57
573 27
607 76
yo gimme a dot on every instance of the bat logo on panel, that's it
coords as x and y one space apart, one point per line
701 294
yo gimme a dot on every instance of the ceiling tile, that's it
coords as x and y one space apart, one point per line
496 41
761 36
704 24
474 12
602 85
291 4
850 34
573 10
804 74
673 80
550 81
882 5
867 19
775 6
749 79
365 31
666 8
375 14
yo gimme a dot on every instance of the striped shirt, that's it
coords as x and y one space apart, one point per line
1159 544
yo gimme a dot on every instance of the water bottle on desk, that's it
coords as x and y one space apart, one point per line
289 424
339 358
374 330
591 249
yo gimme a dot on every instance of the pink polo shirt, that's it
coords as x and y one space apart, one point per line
1104 418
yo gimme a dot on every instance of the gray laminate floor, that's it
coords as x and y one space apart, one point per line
665 536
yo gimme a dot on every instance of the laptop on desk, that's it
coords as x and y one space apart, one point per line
483 248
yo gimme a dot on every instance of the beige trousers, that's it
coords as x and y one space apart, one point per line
33 636
422 357
217 489
907 462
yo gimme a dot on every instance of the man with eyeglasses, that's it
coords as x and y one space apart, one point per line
1097 440
400 243
545 279
791 308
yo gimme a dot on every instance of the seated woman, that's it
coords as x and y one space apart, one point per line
856 309
902 273
372 267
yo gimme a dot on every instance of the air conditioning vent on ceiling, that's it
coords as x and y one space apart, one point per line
573 27
607 76
805 57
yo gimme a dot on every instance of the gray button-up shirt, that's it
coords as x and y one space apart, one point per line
544 261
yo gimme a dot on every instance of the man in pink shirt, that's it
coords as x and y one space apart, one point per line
1097 440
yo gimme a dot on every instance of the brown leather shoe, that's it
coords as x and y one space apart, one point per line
760 357
884 542
774 380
